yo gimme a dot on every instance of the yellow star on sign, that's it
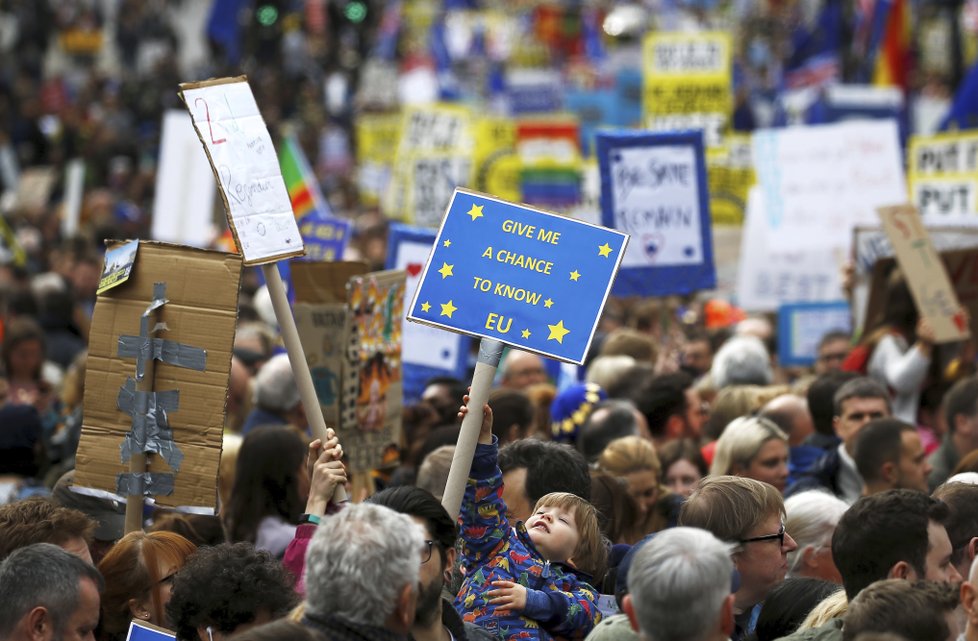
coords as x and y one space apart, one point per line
526 333
475 212
447 309
575 275
604 250
425 306
446 270
548 303
447 243
557 332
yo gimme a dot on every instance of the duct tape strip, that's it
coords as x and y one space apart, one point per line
144 484
166 351
490 351
142 345
150 427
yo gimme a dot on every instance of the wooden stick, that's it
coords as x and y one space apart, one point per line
297 358
490 351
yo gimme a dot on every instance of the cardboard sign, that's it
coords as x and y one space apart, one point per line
821 181
427 351
246 167
34 188
519 275
349 322
944 177
928 281
688 83
653 187
200 312
183 201
770 275
802 325
142 631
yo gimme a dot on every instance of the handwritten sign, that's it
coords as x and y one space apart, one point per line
519 275
770 275
925 274
688 83
426 351
434 178
246 166
944 177
821 181
653 187
802 325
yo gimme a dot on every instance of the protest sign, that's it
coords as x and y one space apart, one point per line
821 181
519 275
350 325
925 274
802 325
653 187
434 178
870 245
183 201
325 239
427 351
730 174
34 187
943 177
246 167
179 421
530 91
594 109
688 83
550 161
375 153
769 275
143 631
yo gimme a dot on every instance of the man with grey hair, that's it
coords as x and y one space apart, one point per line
47 594
276 397
362 572
679 587
742 360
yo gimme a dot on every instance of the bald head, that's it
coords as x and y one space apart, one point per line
522 369
790 413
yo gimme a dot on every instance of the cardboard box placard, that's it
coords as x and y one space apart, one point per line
201 311
349 322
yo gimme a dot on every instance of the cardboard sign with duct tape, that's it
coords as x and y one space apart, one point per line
349 322
193 294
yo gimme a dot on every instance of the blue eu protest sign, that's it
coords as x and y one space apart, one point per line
653 187
512 273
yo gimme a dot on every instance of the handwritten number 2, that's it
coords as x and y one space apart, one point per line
210 127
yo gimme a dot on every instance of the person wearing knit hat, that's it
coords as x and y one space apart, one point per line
571 409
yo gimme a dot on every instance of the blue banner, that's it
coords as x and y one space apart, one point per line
653 187
519 275
802 325
426 352
325 238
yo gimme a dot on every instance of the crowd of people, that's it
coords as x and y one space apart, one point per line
687 488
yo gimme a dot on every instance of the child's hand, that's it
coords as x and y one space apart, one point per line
508 595
327 474
317 448
485 434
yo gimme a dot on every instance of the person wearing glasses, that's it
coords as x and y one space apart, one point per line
832 350
749 514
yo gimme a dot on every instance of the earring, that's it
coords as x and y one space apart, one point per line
145 615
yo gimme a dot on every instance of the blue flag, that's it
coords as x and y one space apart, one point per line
964 110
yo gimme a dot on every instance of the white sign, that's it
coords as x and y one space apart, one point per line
946 199
819 182
771 275
183 203
245 162
656 196
433 183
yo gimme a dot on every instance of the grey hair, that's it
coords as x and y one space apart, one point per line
608 371
678 582
358 562
811 520
742 360
275 388
740 442
42 575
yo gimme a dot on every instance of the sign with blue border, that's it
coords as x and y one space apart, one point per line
802 325
654 188
325 237
426 352
508 272
142 631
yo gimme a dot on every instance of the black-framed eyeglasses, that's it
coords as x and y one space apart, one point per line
779 537
426 552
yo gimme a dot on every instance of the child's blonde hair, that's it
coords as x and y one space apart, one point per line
591 554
